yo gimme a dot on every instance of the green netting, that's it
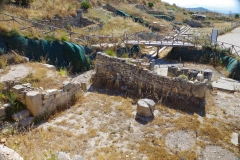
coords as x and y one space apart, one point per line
164 17
235 72
123 14
60 54
230 63
139 20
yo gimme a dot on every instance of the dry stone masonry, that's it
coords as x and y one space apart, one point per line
40 101
137 80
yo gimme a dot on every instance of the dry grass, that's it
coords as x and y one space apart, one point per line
110 115
43 77
45 9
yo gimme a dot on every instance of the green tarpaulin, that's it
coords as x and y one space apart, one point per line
60 54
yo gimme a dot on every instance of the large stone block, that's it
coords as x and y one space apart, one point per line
34 102
199 90
21 115
27 121
144 109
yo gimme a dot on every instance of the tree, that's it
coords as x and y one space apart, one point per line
236 16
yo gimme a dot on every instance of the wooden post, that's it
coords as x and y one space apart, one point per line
158 48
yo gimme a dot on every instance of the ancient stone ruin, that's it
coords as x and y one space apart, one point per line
136 80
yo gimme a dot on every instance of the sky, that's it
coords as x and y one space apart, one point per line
223 6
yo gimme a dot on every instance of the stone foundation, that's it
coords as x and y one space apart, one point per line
40 101
135 80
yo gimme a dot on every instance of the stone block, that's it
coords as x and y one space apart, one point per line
150 103
34 102
52 92
143 109
67 85
234 139
18 88
26 122
50 98
21 115
199 90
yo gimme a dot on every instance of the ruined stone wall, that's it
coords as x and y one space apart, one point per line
120 74
39 101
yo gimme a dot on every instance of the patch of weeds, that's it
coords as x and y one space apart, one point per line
31 78
50 156
85 5
51 38
16 106
12 32
183 77
111 52
3 63
64 38
63 72
124 55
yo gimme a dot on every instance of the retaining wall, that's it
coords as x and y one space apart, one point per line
135 80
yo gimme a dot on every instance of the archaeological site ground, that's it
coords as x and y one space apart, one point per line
108 80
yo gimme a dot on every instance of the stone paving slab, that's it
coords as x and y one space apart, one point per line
226 84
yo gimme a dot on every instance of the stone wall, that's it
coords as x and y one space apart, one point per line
135 80
39 101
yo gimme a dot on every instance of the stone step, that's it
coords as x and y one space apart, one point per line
27 121
21 115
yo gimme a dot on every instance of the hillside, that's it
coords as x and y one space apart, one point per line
198 9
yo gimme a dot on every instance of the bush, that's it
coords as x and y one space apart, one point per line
150 4
110 52
85 5
183 77
24 1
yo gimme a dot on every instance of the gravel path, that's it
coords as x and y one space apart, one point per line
15 73
232 37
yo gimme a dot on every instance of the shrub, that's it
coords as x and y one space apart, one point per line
64 38
183 77
150 4
110 52
85 5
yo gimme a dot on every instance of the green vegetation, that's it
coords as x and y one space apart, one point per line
183 77
24 1
111 52
85 5
236 16
150 4
63 72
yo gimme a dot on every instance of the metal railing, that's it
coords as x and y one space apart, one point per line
103 40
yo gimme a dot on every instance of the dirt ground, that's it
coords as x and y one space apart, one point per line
102 125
